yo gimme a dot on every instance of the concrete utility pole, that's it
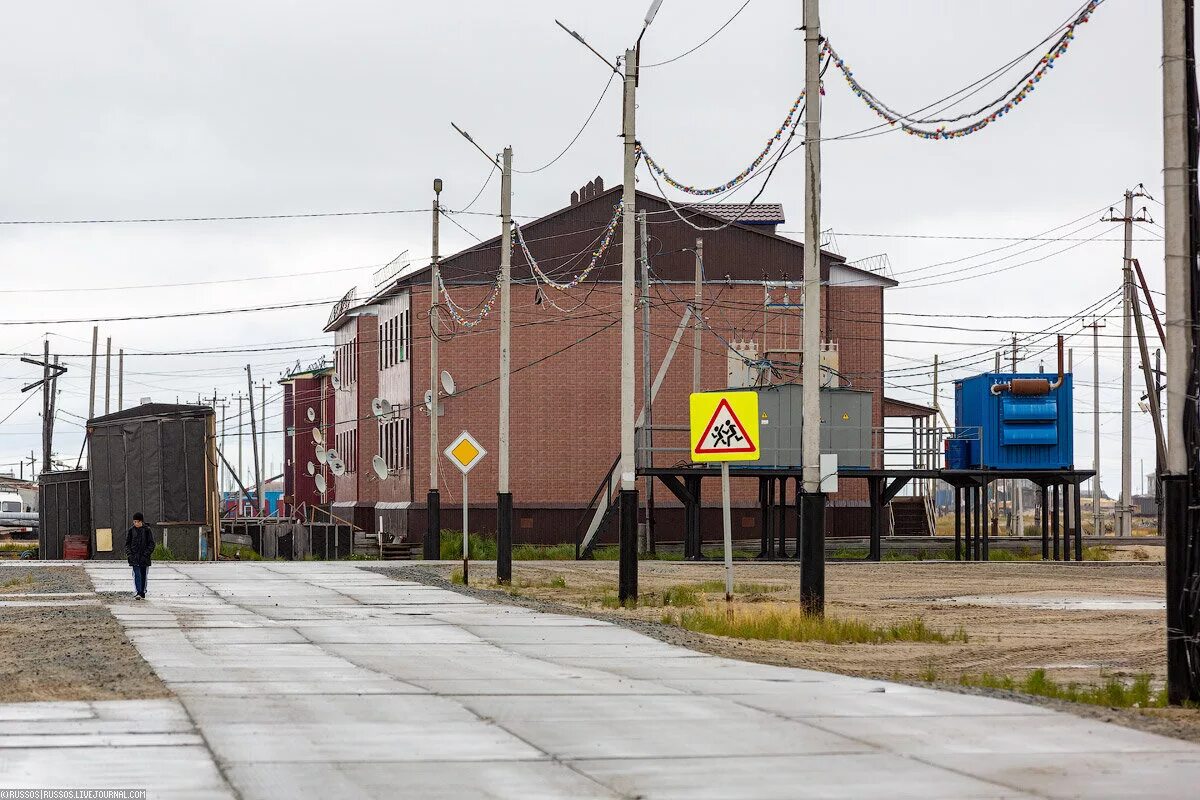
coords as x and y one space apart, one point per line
812 520
240 437
120 379
1125 504
504 498
92 384
433 512
1097 524
698 323
647 543
1183 672
262 506
1020 506
107 374
627 579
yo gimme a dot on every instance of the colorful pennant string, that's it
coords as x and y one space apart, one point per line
597 254
790 121
1025 88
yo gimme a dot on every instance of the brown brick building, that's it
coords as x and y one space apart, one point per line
565 371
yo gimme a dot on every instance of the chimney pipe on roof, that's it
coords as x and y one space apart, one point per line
574 198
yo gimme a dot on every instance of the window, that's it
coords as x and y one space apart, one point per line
392 334
394 444
10 507
345 361
347 448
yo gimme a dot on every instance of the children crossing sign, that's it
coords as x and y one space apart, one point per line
724 426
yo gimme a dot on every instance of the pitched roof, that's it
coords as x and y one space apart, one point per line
153 410
744 213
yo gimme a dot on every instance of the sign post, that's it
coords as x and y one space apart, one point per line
724 428
464 452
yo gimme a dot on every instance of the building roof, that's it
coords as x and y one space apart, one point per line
743 213
902 408
153 410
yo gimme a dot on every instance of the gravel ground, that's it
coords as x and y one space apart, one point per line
66 653
1057 637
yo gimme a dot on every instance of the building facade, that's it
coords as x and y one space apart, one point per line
565 353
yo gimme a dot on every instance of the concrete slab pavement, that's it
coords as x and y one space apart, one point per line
321 679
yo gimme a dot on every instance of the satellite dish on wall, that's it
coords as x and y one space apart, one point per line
311 414
337 467
321 453
380 407
320 481
448 383
380 467
331 456
318 437
336 381
312 468
429 400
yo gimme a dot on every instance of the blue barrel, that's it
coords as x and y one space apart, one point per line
958 453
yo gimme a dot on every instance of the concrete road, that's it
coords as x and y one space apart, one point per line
317 679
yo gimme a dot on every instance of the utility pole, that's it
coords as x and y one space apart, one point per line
627 579
812 519
47 423
647 544
107 374
92 384
240 437
120 379
1096 324
504 498
1020 505
1125 506
263 419
262 506
698 323
1179 175
433 514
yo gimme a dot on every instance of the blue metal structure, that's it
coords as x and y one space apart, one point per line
1015 430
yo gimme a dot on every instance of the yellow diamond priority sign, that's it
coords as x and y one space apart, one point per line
724 426
464 452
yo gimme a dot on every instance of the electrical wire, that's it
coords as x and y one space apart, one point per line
578 133
714 35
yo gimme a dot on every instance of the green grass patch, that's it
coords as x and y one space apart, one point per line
361 557
543 552
240 552
17 583
790 624
162 553
456 577
1113 693
1095 554
738 588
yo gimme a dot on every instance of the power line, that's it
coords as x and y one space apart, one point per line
714 35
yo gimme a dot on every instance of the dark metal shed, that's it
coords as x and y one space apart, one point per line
159 459
64 509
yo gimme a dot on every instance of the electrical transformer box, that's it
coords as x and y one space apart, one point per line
846 423
1015 421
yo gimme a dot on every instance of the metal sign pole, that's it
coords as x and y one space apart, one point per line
728 532
466 549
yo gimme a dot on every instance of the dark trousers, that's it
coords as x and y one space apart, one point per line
140 573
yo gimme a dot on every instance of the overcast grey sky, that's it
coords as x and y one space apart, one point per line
145 109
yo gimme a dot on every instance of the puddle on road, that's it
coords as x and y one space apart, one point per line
1060 602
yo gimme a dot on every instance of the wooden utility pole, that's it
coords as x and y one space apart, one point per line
47 419
92 383
812 518
262 507
647 543
108 375
120 379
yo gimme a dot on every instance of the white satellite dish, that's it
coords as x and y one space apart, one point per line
311 414
320 481
429 400
318 437
337 467
321 453
380 466
336 381
312 468
331 456
448 383
380 407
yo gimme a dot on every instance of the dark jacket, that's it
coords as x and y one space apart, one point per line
139 546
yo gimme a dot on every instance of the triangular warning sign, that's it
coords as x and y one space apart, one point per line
724 433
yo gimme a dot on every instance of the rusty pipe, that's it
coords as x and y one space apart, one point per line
1034 387
1061 374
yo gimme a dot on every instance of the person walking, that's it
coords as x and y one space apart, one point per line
139 546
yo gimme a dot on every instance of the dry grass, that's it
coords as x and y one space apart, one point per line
790 624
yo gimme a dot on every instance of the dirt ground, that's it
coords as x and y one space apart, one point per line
76 652
1073 646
